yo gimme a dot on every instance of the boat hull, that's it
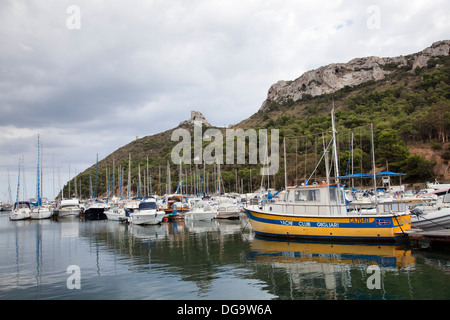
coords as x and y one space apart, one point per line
15 216
200 215
146 218
115 216
41 213
342 228
75 212
435 220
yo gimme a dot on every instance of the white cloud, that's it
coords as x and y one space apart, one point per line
92 90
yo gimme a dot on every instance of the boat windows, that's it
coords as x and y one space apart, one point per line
22 205
307 195
147 206
335 193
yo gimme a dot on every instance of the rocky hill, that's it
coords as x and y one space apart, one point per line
336 76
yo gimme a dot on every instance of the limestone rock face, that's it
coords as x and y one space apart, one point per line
333 77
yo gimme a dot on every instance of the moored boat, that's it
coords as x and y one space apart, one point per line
41 212
227 209
147 213
116 212
21 211
433 217
69 208
201 210
96 210
319 212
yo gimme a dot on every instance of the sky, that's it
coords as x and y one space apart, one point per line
90 76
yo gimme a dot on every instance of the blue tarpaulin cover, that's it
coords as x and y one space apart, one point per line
370 175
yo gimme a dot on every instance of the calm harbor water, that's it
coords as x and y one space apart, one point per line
217 260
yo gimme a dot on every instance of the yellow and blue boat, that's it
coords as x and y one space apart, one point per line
320 212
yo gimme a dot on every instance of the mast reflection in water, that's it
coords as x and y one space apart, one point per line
220 259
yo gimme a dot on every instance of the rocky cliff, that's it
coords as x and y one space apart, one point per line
335 76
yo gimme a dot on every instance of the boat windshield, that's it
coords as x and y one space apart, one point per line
147 205
21 205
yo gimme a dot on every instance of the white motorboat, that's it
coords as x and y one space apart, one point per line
21 211
227 209
115 213
433 217
41 212
201 210
69 208
430 220
147 213
96 210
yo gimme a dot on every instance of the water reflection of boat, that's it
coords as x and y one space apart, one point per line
199 226
147 233
280 251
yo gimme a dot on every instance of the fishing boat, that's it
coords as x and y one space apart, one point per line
147 213
69 208
201 210
21 211
319 211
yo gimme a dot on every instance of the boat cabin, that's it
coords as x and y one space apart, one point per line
323 199
316 199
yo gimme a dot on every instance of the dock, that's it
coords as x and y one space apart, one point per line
431 237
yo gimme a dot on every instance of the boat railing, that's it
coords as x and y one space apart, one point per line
335 209
304 209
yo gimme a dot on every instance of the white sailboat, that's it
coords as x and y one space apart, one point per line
21 211
43 211
39 210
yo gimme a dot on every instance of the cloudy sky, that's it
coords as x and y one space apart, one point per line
89 76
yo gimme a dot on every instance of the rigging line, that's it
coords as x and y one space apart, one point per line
318 163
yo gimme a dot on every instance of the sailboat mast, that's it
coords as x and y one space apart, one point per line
335 155
38 189
373 164
129 176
